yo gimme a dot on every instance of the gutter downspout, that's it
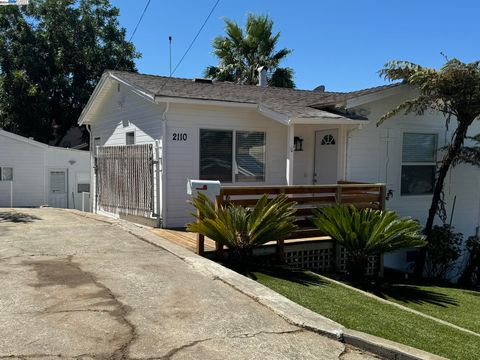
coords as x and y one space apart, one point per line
163 161
93 180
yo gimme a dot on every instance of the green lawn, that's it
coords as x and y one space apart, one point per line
359 312
457 306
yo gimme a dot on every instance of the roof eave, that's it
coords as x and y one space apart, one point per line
327 121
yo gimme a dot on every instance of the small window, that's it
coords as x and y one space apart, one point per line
130 138
328 140
83 182
418 163
6 174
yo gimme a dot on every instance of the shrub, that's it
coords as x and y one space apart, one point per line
471 274
241 229
366 232
443 250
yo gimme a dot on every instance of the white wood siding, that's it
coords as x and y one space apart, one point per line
124 111
182 159
374 154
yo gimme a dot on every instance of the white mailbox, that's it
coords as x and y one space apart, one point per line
210 188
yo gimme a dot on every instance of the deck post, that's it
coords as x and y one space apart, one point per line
200 246
383 197
218 246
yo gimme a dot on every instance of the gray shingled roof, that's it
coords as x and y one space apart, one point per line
290 102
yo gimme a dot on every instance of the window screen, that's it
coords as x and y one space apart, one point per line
250 156
216 154
418 163
6 174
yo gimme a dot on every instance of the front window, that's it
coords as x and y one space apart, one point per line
232 156
130 138
419 157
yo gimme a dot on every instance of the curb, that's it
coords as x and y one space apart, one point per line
290 311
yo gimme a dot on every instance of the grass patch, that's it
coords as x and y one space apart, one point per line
359 312
457 306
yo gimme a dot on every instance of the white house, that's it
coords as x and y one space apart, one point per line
248 135
34 174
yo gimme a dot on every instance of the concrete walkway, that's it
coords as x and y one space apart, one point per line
74 287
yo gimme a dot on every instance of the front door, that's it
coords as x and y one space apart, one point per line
58 189
326 157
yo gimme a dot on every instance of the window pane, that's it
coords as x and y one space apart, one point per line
417 179
216 155
7 174
130 138
419 147
83 188
250 156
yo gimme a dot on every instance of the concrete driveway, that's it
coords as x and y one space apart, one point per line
74 287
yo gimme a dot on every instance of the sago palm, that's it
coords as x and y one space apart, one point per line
367 232
240 228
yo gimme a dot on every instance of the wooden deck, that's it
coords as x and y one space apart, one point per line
188 240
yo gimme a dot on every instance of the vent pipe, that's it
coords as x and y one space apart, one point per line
262 76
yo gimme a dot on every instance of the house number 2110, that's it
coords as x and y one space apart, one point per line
179 137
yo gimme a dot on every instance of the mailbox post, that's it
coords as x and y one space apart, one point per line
211 189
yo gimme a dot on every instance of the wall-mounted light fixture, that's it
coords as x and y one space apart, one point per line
298 143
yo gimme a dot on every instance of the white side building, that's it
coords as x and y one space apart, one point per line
34 174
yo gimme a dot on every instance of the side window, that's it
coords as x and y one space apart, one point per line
419 156
130 138
83 182
6 173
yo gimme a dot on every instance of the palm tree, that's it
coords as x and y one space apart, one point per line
241 229
366 232
453 90
242 51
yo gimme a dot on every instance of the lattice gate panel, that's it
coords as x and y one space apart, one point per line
124 177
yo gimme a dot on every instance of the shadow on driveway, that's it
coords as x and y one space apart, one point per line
17 217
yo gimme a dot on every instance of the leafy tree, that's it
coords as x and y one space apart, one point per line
240 228
453 90
52 54
366 232
242 51
470 154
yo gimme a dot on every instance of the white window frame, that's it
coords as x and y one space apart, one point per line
234 153
424 131
1 173
134 137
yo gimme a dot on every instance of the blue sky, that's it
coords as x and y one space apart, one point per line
338 43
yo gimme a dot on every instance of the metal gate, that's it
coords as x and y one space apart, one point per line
124 179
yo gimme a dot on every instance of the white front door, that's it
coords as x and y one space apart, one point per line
326 157
58 189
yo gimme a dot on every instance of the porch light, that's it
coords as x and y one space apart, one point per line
298 143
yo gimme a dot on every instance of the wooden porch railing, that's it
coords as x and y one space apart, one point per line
307 198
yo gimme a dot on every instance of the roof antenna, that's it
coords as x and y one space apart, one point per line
170 44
